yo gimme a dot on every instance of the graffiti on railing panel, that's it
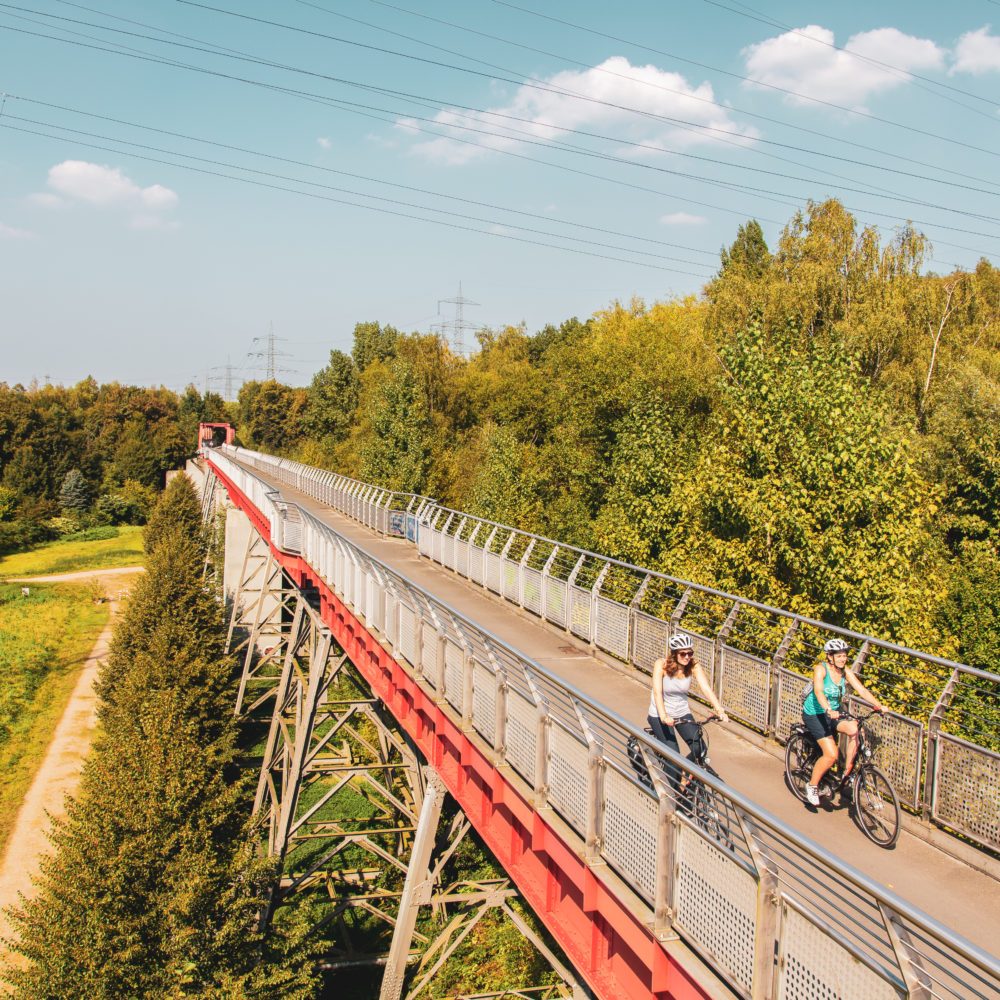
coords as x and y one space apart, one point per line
743 902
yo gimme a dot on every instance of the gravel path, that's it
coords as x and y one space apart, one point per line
60 770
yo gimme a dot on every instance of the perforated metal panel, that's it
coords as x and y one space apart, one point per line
649 640
511 580
568 777
745 686
555 601
429 653
436 546
448 551
425 538
484 701
476 563
522 729
899 744
390 626
715 900
493 572
531 582
453 674
462 558
580 606
629 842
407 632
790 688
967 790
359 590
612 627
704 653
371 601
814 966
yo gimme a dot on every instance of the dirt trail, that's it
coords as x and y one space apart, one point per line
60 770
83 574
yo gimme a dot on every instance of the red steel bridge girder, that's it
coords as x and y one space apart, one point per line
603 938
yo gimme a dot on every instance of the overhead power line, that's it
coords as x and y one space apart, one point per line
701 127
724 72
756 15
335 102
352 204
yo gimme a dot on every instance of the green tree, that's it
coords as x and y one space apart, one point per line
373 342
74 494
178 509
332 400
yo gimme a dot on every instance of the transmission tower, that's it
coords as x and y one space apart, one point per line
454 329
270 354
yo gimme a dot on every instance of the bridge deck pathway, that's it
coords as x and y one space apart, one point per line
951 891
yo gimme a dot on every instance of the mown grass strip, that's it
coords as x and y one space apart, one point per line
44 641
74 555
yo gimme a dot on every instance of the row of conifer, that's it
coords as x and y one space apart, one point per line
155 882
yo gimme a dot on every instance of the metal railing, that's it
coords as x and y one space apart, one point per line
755 903
757 657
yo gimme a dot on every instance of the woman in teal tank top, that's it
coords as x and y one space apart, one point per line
822 716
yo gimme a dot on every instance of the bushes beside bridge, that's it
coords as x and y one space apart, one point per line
155 885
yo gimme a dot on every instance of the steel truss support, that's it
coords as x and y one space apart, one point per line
378 861
260 623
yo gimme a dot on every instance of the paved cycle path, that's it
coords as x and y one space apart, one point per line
958 895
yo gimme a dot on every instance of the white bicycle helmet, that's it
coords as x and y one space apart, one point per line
681 641
835 646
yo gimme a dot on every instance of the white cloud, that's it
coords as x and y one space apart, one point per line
324 142
107 187
45 199
683 219
546 113
10 233
803 61
977 52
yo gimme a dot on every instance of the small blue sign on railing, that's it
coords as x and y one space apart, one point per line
397 523
411 528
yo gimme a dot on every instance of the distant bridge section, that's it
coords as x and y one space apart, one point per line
644 900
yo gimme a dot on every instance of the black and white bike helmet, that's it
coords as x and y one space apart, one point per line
681 641
835 646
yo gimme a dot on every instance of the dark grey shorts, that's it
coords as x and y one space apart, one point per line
820 725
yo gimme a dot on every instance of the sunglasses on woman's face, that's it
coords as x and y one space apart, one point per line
686 652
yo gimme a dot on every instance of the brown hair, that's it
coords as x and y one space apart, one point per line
673 666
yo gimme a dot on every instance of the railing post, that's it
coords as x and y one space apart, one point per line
667 825
500 730
594 593
933 728
774 672
720 639
520 572
486 562
570 584
633 607
442 642
543 731
546 574
468 689
767 922
594 836
919 984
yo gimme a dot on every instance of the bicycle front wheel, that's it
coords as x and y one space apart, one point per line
876 807
800 755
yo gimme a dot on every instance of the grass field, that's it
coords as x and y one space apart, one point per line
44 640
125 549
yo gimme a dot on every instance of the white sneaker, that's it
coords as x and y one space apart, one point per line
812 795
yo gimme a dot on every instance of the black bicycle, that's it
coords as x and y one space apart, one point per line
694 798
871 797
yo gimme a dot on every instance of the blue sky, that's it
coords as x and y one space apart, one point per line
124 262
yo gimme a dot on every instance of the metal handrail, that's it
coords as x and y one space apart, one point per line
915 777
875 893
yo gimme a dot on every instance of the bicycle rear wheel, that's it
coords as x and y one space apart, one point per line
876 808
710 814
800 755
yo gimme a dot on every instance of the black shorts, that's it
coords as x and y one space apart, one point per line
821 725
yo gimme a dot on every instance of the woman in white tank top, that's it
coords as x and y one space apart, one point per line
669 711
